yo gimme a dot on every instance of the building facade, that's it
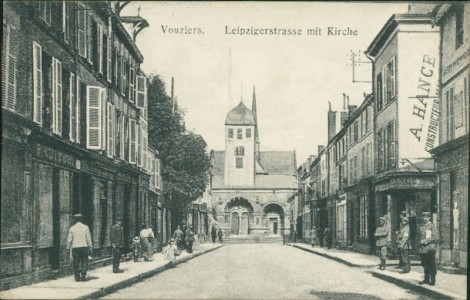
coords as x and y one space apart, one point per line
74 136
250 188
452 153
405 57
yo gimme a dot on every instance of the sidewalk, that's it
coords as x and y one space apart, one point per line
102 281
448 286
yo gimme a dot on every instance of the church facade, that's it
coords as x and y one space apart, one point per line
250 188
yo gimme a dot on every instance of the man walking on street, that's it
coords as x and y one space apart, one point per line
79 245
404 245
401 263
213 234
381 234
427 249
220 234
178 236
116 236
190 239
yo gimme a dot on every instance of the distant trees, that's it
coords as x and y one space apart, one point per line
184 159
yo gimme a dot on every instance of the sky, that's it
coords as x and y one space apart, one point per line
295 75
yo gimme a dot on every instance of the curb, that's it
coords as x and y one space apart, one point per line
132 280
331 257
433 292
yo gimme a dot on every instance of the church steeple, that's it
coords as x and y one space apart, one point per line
255 116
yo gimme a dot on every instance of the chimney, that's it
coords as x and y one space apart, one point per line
352 109
331 123
320 149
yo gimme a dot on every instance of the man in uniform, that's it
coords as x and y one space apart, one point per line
116 236
79 245
427 249
178 236
381 234
189 239
401 263
404 245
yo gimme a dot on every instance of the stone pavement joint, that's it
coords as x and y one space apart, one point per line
102 281
453 282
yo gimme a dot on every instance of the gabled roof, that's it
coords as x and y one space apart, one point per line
278 165
240 115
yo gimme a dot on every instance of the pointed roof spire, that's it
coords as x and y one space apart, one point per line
253 105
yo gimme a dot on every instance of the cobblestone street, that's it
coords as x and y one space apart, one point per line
263 271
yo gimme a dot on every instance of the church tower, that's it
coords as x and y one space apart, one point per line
240 147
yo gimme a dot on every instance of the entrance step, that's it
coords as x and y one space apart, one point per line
248 239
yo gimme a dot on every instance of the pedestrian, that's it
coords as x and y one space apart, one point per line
80 246
283 238
146 236
401 263
213 234
327 237
404 245
220 234
427 249
381 235
169 250
295 237
313 236
116 237
136 248
189 239
178 236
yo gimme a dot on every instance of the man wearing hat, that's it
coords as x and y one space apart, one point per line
381 234
79 245
403 240
116 237
401 263
427 249
190 239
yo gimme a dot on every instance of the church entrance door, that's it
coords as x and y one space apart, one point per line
235 223
244 224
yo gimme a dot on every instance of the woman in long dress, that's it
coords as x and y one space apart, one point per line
169 251
145 236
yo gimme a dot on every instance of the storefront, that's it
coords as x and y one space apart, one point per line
410 192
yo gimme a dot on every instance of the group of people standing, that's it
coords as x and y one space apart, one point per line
216 233
80 246
426 249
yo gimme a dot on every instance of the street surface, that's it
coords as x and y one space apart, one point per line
263 271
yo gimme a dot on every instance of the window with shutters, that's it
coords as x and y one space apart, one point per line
91 37
9 66
141 92
93 117
104 119
132 141
45 11
125 138
459 26
66 11
100 49
72 107
391 145
115 66
82 30
57 102
152 169
111 118
380 150
131 85
157 174
124 71
139 145
109 51
80 102
389 81
379 94
117 130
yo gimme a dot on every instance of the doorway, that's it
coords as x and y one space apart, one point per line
235 223
274 225
244 224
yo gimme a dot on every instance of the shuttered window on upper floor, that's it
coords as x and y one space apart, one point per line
93 117
9 66
132 141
